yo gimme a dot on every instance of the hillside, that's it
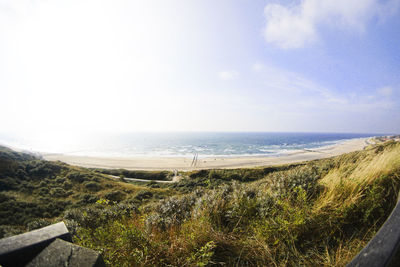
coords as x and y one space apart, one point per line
317 213
35 192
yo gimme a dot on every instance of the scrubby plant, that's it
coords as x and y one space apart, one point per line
36 224
102 212
43 191
59 192
93 186
67 185
77 177
287 182
115 195
143 194
85 199
172 211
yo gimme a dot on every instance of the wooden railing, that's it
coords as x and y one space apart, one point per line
48 246
383 249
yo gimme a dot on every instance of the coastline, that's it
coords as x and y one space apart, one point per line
184 163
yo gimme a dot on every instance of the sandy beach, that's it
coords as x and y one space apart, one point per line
184 163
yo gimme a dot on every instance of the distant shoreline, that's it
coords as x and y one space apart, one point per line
184 163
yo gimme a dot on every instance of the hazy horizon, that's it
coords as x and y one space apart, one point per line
78 67
184 144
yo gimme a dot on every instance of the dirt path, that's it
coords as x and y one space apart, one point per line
175 179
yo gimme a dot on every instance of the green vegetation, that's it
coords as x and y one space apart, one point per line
37 192
215 177
146 175
318 213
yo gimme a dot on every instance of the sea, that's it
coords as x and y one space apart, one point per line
181 144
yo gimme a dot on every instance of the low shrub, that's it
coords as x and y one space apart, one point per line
93 186
36 224
59 192
77 177
116 196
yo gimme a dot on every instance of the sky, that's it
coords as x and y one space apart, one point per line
178 65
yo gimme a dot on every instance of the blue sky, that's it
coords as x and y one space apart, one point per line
120 66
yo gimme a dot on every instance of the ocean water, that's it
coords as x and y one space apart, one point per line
181 144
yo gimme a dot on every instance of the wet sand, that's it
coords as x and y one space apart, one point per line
184 163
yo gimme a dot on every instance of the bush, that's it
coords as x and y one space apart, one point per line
59 192
67 185
132 246
116 196
172 211
42 169
5 198
99 214
286 183
144 194
86 199
43 191
36 224
214 175
8 230
93 186
8 184
59 180
77 177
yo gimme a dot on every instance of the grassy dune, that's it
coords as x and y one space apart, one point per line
317 213
35 193
320 213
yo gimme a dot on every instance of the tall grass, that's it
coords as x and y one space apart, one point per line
320 213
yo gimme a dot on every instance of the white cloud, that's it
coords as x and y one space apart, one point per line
295 26
291 91
288 27
228 74
296 88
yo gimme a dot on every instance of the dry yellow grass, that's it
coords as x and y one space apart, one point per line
345 185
